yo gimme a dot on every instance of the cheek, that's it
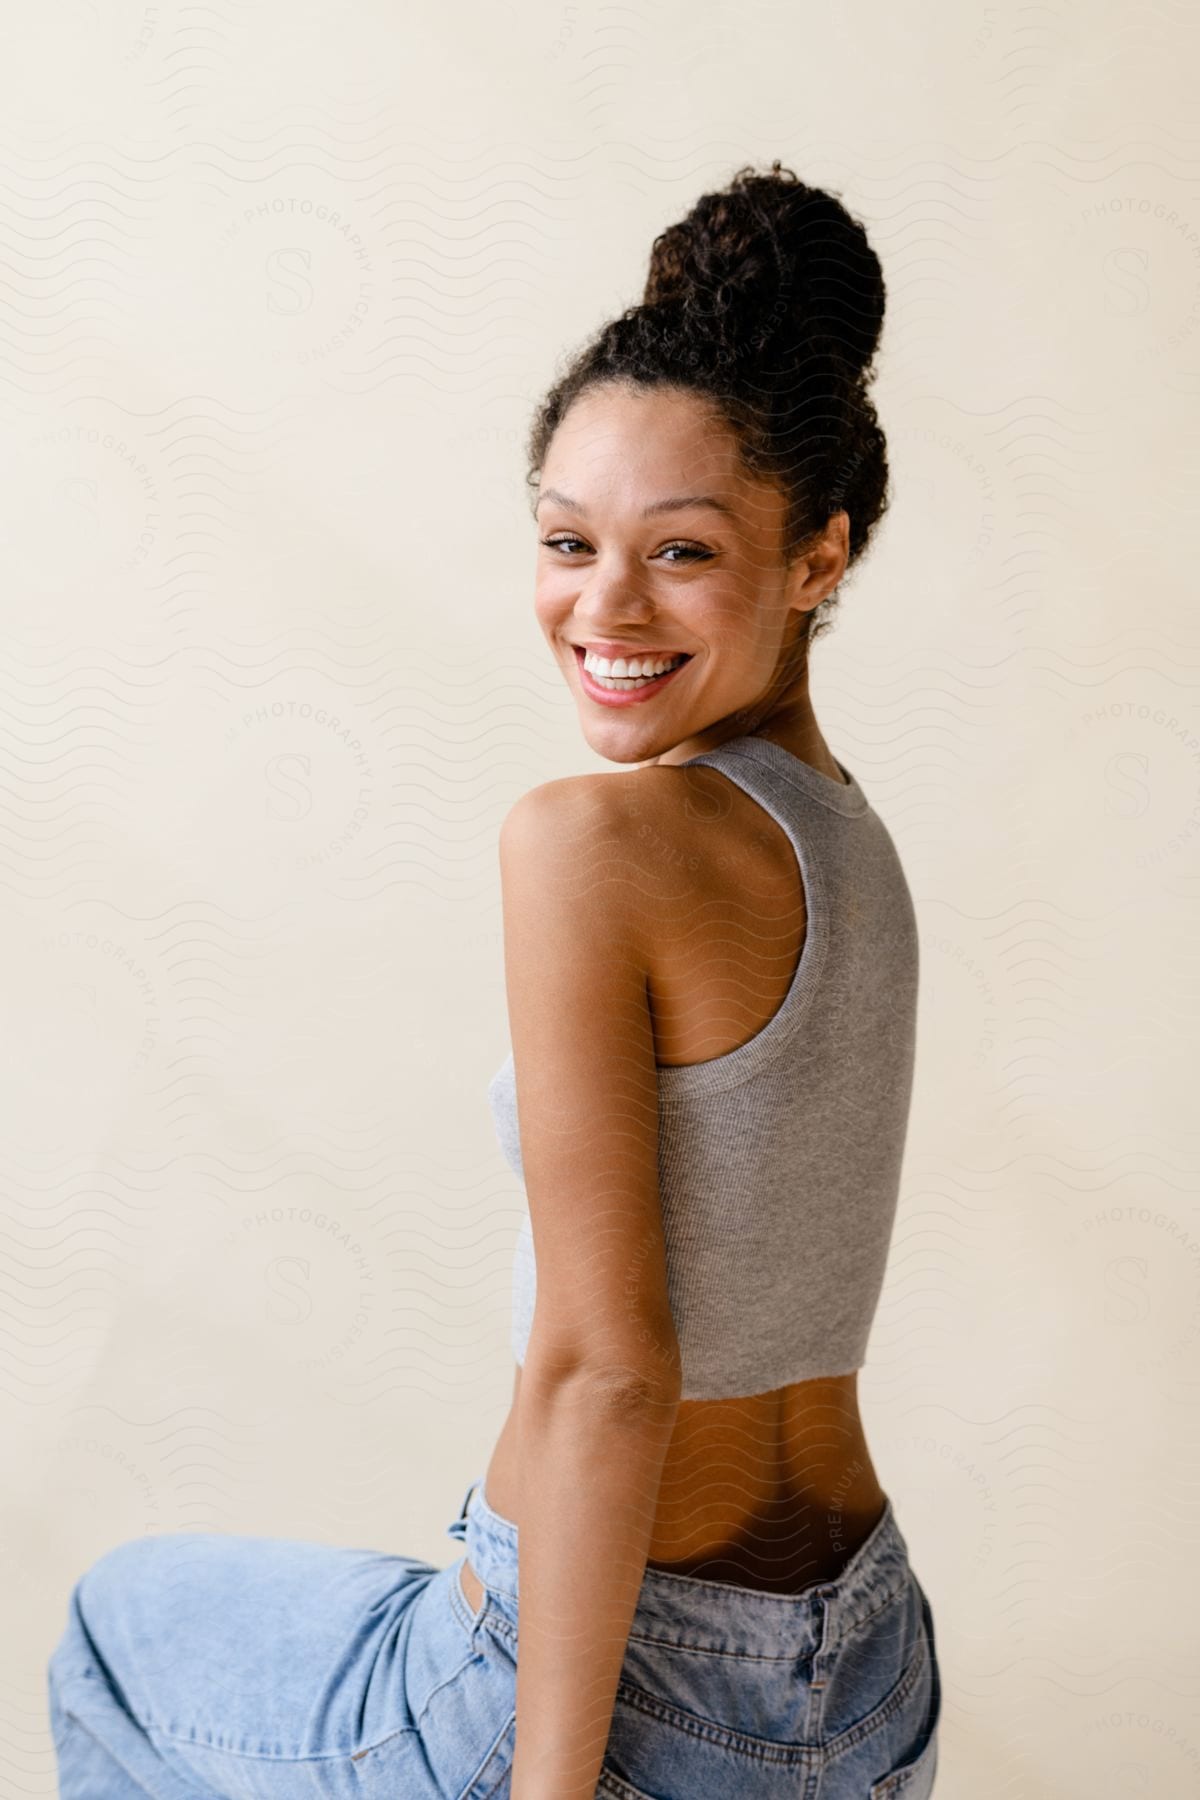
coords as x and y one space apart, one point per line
553 622
749 636
551 618
547 604
733 636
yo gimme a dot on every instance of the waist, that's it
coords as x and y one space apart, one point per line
703 1614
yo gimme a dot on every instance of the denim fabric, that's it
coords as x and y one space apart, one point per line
200 1664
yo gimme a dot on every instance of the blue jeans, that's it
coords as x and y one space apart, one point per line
205 1664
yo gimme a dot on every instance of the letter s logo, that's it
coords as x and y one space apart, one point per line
288 1295
1128 795
1128 1297
1125 293
294 292
286 776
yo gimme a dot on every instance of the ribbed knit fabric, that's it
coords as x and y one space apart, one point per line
779 1164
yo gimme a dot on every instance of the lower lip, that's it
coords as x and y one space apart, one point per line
629 696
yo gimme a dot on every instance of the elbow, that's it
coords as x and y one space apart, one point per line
629 1391
629 1387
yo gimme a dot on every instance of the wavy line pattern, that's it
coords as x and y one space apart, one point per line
278 292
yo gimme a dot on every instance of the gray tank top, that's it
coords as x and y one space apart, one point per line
779 1163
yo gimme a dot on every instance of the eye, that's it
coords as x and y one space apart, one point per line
554 543
693 551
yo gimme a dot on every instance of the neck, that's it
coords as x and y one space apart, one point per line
783 714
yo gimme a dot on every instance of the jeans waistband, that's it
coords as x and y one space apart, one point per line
712 1615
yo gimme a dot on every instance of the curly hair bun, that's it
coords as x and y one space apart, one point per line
768 267
767 302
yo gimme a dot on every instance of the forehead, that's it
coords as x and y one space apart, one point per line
620 447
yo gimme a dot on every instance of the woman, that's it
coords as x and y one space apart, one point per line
711 965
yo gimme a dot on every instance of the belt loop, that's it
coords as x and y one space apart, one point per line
821 1656
827 1595
459 1527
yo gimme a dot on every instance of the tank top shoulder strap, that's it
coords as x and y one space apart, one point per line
742 758
810 809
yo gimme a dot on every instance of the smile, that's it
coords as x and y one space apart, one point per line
624 696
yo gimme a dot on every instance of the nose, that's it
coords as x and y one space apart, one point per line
613 610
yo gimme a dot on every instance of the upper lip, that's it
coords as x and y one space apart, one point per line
611 651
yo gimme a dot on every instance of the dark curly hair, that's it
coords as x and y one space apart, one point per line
768 299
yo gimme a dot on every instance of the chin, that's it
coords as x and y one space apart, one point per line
617 753
623 747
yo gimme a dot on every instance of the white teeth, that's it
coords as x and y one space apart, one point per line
627 668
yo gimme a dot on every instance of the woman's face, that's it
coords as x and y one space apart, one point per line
654 540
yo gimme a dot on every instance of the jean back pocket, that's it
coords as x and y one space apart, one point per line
913 1778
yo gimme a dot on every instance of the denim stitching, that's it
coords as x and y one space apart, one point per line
854 1620
381 1743
441 1685
874 1721
472 1791
762 1750
745 1656
755 1749
415 1728
503 1626
609 1783
208 1742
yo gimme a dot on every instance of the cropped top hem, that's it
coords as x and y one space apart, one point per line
718 1390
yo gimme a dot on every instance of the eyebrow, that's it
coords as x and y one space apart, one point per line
673 503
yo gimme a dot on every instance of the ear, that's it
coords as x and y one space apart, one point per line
819 568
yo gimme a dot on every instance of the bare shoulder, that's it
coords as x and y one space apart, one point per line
637 839
601 816
609 797
566 869
575 821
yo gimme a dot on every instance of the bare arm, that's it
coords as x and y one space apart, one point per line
590 1467
602 1378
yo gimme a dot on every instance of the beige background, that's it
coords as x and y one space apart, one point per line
280 288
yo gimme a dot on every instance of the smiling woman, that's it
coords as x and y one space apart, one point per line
616 578
676 517
681 1578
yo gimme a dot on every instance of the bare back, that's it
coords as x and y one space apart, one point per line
777 1490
